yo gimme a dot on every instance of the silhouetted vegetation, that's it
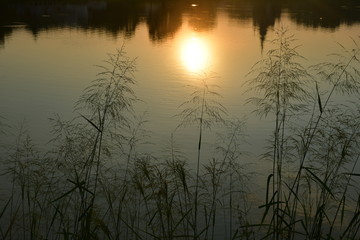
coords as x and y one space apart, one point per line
316 142
164 18
97 182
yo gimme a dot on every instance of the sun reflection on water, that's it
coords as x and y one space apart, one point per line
195 54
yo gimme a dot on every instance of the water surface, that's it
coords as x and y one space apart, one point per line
48 53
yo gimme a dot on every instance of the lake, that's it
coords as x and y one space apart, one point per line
50 53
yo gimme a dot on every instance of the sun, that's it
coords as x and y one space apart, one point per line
195 54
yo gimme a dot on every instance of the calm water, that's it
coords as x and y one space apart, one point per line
48 53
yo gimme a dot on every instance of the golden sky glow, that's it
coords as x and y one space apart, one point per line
195 54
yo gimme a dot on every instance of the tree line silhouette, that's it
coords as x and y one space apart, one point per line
164 17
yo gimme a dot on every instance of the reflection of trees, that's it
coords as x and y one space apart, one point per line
4 31
324 13
202 17
262 13
265 13
164 17
117 17
311 13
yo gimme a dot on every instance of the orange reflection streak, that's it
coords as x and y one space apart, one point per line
195 54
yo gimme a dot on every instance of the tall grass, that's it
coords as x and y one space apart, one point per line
203 110
282 81
98 182
319 148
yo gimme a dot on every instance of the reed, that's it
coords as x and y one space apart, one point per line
323 146
281 81
203 111
97 182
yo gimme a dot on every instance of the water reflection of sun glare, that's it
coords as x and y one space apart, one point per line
195 54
